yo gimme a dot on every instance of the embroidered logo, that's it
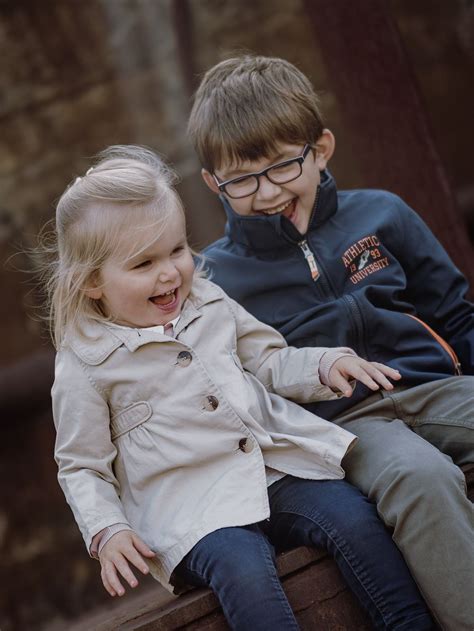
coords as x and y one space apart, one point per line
364 258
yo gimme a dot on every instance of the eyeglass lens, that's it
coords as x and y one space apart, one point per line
278 174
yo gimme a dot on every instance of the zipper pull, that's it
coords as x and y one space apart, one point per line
457 369
309 256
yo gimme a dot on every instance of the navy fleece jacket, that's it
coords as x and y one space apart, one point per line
368 274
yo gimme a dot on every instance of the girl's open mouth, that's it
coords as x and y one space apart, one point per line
167 301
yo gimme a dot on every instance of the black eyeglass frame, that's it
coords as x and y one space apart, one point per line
264 172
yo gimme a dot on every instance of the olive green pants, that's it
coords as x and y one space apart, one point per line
411 440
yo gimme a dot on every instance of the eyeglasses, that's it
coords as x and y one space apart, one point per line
280 173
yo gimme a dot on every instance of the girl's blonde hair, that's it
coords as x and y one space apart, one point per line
128 191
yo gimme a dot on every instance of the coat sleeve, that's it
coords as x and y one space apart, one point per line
285 370
84 450
435 286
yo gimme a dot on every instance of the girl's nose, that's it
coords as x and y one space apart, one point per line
167 272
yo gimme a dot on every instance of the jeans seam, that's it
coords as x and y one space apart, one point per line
381 607
275 579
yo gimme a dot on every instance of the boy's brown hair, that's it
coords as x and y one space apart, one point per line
247 104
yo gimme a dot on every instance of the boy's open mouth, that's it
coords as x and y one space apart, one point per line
166 299
287 209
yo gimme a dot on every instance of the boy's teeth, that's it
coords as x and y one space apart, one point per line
279 209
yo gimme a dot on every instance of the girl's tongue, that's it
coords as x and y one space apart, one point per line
164 299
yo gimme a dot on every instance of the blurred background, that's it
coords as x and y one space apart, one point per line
396 81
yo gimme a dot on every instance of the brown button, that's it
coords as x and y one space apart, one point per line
245 445
210 403
184 359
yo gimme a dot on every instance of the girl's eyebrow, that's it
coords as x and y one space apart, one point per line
150 253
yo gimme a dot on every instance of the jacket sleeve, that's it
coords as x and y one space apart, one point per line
435 287
84 450
285 370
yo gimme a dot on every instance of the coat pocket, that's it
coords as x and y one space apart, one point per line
128 419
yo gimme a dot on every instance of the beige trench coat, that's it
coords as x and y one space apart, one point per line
171 436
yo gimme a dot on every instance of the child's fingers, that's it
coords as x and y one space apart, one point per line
110 579
370 380
339 382
386 370
142 547
136 558
373 376
123 567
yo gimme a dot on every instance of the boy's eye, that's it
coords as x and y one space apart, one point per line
241 182
284 167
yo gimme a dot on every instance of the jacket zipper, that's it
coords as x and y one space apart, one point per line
443 343
310 259
308 254
355 311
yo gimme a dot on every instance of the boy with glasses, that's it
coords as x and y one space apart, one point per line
359 269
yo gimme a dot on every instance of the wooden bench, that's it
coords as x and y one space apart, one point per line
315 589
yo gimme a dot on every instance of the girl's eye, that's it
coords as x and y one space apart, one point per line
178 249
142 264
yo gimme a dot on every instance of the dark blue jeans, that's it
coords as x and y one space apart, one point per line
238 564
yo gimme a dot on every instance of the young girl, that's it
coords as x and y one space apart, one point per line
176 450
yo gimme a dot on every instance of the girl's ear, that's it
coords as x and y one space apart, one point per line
325 148
93 292
92 289
210 181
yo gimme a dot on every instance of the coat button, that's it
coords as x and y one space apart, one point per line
184 359
245 445
210 403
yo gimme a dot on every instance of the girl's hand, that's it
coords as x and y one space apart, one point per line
114 558
371 374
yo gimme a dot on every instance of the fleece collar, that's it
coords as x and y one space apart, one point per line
261 233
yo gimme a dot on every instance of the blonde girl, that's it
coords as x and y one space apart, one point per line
176 450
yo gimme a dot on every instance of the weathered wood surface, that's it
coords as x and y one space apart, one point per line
315 589
312 582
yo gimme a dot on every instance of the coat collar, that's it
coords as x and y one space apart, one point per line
98 340
266 233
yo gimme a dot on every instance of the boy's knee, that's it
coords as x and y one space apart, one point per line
408 483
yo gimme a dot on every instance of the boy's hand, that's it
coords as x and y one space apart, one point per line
371 374
114 558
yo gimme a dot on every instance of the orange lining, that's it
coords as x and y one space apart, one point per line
444 344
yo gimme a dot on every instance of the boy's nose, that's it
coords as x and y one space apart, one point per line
267 189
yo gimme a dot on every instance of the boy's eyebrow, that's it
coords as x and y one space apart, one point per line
237 171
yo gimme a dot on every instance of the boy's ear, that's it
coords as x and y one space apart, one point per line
325 148
210 181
